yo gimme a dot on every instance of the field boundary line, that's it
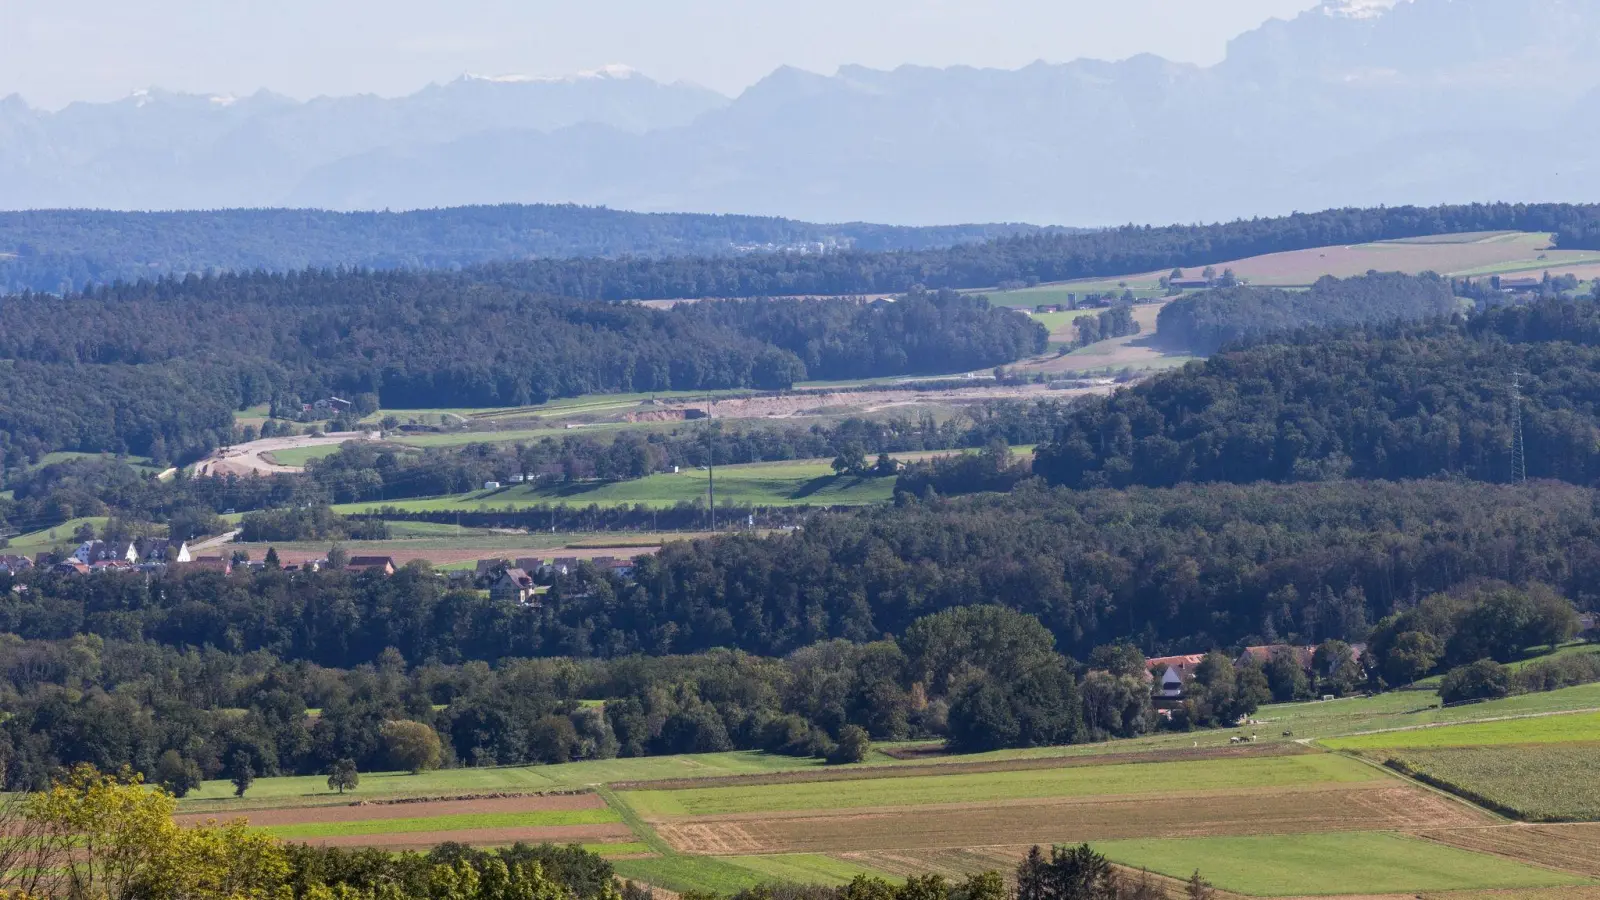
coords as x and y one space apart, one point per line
1500 818
635 822
1401 728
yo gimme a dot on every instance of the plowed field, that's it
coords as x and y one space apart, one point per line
1575 848
1338 807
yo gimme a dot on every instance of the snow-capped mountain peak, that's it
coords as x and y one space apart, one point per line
1355 9
614 71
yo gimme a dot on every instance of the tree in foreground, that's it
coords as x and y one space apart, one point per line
177 775
342 776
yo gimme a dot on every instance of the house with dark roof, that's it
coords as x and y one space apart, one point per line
162 550
221 564
514 586
12 565
91 552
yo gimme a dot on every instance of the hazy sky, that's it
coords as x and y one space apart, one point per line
56 51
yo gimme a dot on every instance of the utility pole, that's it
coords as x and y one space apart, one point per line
1519 457
711 461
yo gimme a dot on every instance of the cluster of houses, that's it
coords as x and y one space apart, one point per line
522 580
156 554
1170 674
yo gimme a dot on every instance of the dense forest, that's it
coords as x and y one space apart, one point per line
60 251
1004 620
1202 323
149 387
1402 401
1046 257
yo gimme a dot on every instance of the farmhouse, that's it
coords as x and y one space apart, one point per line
11 565
91 552
515 586
1190 284
1173 672
161 550
212 564
1263 654
384 564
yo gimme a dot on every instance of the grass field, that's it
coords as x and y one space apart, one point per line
54 537
1305 865
798 483
1542 730
299 456
547 819
1544 783
992 787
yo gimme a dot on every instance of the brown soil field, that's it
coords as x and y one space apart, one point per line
366 812
787 406
484 837
1360 807
1255 751
1575 848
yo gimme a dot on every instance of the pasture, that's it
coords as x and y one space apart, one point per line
1320 864
1540 730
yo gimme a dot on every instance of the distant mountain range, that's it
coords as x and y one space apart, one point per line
1352 103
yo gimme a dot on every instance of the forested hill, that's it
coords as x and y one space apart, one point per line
58 251
1202 323
159 366
604 254
1047 257
1404 401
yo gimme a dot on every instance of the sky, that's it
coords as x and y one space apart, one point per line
53 52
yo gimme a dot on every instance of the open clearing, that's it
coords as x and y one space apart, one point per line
1539 782
1302 865
1080 781
260 457
1542 730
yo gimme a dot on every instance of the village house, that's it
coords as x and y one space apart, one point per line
212 564
514 586
162 550
384 564
12 565
91 552
1173 671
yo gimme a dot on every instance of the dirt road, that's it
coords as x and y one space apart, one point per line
250 459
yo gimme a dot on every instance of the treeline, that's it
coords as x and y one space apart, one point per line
1116 251
1179 570
1400 401
982 677
1203 323
59 251
148 386
48 495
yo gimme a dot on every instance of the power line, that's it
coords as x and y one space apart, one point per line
1519 457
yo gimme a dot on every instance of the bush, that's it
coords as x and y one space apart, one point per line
853 747
1482 680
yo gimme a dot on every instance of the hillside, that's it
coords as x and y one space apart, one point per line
58 251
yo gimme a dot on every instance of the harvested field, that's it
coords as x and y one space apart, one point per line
1379 804
990 787
604 835
1575 848
956 767
569 818
1323 864
404 552
357 811
1540 783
